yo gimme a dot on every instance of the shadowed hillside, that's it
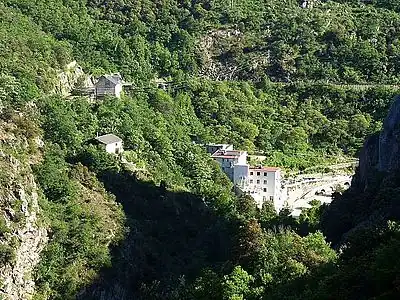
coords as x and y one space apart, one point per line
171 237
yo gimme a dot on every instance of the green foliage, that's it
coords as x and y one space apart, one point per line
309 220
303 106
369 273
235 286
7 254
35 55
53 177
3 227
247 207
296 126
80 228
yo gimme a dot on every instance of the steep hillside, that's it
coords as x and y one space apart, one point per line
372 200
23 235
38 230
363 224
328 42
302 85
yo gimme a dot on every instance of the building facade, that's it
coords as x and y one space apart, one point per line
261 183
264 184
228 159
109 85
111 143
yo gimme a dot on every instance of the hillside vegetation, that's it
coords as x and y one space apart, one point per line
268 77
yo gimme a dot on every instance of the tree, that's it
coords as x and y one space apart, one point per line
236 286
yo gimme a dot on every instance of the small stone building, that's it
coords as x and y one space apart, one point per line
109 85
111 143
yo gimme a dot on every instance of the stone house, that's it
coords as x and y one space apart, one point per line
109 85
112 143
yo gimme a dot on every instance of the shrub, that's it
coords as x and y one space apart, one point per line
7 254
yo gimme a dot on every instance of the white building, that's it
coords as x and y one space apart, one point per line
228 159
261 183
112 143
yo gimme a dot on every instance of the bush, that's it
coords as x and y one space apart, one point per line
7 254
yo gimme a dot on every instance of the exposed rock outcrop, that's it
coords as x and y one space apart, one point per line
17 278
374 196
220 50
71 78
22 237
381 152
389 140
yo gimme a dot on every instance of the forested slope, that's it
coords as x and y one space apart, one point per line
268 77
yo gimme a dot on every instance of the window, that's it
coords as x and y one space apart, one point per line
251 173
265 174
258 173
251 180
271 198
265 190
265 182
258 181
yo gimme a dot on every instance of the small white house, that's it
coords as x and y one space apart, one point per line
109 85
112 143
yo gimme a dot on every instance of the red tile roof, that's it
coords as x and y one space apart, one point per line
266 169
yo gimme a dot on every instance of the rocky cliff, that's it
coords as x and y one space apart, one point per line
21 235
374 197
381 152
71 78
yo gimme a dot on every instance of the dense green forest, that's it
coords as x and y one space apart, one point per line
304 86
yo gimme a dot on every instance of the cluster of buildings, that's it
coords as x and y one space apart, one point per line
261 183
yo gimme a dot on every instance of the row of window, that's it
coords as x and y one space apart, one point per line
258 181
259 174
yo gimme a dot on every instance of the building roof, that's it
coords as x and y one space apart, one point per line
266 169
227 153
114 78
108 139
218 145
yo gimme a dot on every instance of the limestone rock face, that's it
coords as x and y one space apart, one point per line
369 159
16 276
374 197
72 77
381 153
389 140
22 235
